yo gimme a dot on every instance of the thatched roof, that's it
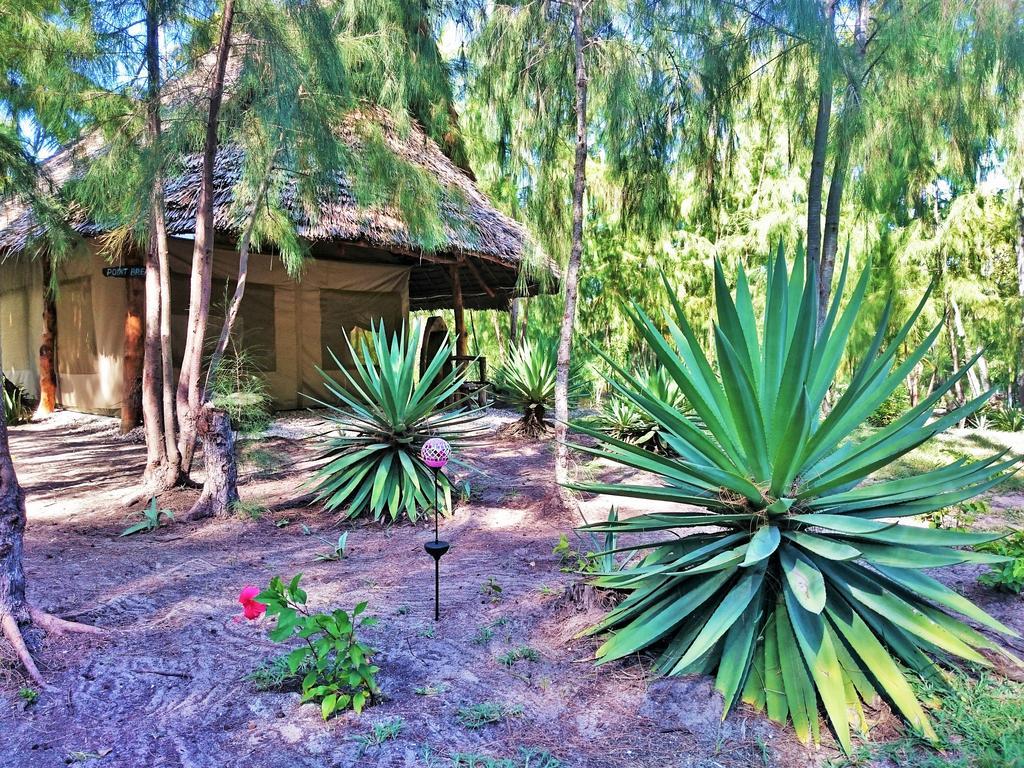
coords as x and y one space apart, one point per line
488 247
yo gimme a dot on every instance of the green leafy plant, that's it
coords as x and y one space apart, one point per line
891 408
526 758
1006 419
526 379
1007 576
249 510
340 673
29 695
379 734
799 585
16 402
486 713
151 519
624 420
514 655
958 516
600 556
337 548
238 387
385 415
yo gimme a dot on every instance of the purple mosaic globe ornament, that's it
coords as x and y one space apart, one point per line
435 453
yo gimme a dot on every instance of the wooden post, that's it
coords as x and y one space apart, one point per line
48 344
460 314
134 348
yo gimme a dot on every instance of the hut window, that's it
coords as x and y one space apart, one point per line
348 314
76 332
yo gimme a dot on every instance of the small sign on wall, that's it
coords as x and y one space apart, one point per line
124 272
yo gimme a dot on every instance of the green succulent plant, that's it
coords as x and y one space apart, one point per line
623 419
381 420
787 576
527 379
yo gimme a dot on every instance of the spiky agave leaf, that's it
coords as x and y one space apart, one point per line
794 582
382 416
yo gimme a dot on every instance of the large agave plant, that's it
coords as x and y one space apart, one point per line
382 417
786 575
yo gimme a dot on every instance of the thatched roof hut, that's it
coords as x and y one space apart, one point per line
488 248
366 267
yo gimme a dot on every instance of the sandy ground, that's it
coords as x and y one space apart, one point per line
166 686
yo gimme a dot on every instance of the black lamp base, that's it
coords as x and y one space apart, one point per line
437 549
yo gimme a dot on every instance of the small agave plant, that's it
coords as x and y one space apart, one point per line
787 576
383 415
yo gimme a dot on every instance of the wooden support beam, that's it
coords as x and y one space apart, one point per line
479 278
460 313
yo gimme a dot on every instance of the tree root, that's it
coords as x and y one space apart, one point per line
58 626
48 623
530 428
12 632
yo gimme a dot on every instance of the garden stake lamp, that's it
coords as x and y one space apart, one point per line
435 454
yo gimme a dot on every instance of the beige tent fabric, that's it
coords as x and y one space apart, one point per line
286 324
90 333
21 322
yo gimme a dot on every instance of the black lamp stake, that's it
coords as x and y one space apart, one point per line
435 453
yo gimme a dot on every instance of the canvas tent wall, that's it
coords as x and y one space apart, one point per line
287 324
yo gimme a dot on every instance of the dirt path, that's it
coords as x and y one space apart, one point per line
167 687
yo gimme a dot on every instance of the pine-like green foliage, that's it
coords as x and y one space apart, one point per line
297 70
382 415
799 586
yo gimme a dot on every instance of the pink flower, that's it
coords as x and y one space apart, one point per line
250 606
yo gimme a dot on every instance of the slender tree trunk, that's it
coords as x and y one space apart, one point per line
954 356
974 380
152 417
134 349
819 148
48 343
163 463
14 611
572 271
189 395
459 311
830 242
1019 388
513 322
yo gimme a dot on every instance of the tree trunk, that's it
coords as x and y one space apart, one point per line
975 381
220 491
1019 388
189 394
134 349
152 417
13 605
513 322
48 343
954 356
830 243
820 146
572 271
